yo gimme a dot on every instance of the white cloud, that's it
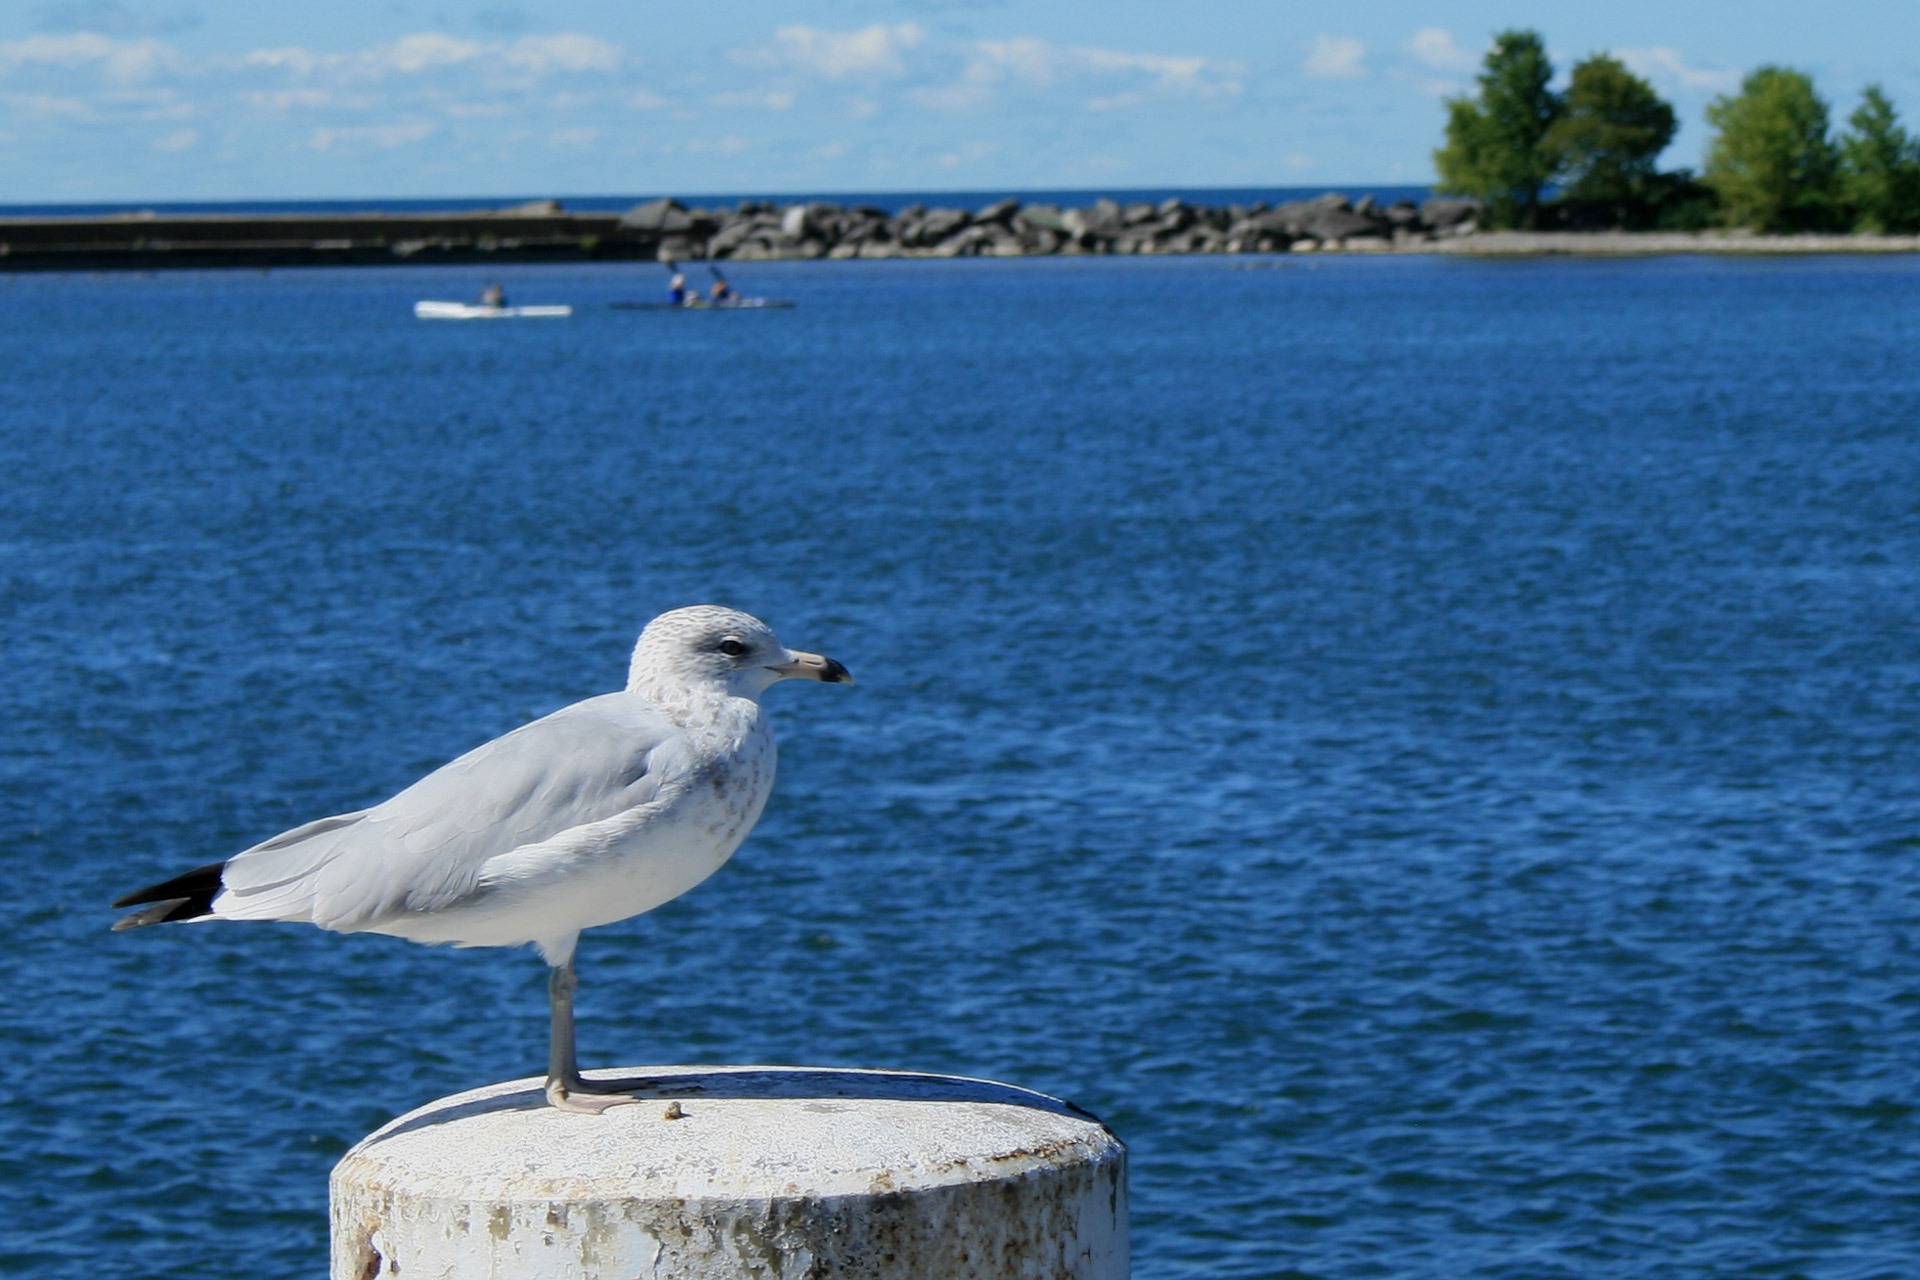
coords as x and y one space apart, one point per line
1435 47
290 99
569 51
968 153
1023 58
384 136
1663 64
178 140
476 110
1031 63
964 96
1335 58
420 52
875 52
425 53
574 139
1182 74
291 58
122 61
731 144
44 105
756 99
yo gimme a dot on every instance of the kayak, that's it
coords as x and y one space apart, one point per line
738 304
478 311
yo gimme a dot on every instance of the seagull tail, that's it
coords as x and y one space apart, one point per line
185 897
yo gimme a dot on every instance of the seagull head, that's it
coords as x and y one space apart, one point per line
711 648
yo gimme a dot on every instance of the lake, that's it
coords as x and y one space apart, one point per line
1425 749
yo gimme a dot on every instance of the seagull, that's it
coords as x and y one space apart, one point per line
601 811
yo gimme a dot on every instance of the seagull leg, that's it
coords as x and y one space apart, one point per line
566 1088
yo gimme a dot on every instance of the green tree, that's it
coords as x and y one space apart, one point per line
1496 144
1606 142
1771 163
1880 167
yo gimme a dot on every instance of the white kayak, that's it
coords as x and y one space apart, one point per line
480 311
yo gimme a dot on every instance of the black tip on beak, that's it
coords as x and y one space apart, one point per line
835 673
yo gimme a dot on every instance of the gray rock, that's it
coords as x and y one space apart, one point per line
1447 214
1327 224
1001 211
1040 240
795 222
1000 242
729 237
1043 217
1136 214
1101 218
942 223
664 216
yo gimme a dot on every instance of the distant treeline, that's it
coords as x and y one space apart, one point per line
1586 158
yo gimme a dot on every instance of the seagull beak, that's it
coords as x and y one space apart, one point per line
811 666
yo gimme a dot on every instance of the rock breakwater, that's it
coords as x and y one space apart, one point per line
665 229
1010 229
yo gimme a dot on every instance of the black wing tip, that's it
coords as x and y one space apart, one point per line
159 913
185 897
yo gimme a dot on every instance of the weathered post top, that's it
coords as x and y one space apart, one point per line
777 1173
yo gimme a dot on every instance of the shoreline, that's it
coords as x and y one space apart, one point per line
662 230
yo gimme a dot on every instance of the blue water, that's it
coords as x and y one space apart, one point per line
1425 749
892 201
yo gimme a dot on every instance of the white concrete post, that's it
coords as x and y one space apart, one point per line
776 1173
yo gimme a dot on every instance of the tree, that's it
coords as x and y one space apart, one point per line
1496 145
1880 167
1605 144
1771 163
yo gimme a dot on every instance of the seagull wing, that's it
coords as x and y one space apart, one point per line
427 849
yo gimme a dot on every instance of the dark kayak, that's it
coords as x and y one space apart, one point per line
739 304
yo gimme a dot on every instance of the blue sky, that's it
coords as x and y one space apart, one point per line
112 100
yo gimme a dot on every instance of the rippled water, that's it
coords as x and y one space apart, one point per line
1425 749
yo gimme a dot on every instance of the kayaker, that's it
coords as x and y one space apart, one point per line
722 293
677 290
493 296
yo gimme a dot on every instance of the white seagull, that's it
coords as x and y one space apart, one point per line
598 812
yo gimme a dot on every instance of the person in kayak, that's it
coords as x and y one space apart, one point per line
723 295
677 290
493 296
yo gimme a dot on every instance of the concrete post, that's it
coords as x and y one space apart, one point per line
776 1173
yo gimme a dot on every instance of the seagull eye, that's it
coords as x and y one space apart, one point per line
732 648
